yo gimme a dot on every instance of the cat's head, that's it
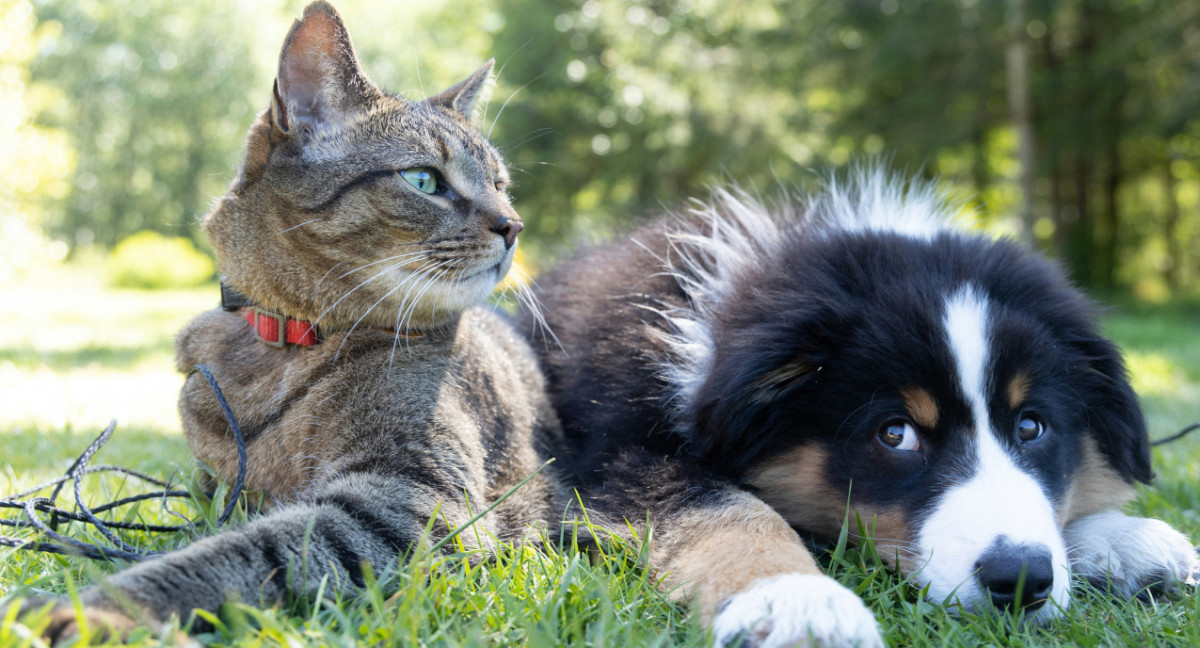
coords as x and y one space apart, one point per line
358 206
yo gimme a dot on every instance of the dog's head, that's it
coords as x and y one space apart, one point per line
954 390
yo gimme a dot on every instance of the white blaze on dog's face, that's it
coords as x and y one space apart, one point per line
997 530
952 390
965 420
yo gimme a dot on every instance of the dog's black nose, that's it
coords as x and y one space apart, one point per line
1013 574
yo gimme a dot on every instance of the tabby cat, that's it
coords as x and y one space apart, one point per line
374 224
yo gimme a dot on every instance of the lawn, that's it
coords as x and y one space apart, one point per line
75 354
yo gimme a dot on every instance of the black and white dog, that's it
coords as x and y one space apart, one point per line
746 370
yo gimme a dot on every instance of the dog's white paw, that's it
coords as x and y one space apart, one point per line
1129 554
796 610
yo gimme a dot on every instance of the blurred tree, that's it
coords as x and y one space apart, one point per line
34 161
610 110
1114 88
631 105
1108 79
1020 108
928 81
156 99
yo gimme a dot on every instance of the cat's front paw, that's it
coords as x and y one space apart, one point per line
99 623
1130 555
796 610
63 621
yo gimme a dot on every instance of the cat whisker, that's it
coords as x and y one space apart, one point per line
501 71
395 340
406 255
420 83
432 276
311 220
323 277
367 265
396 332
404 305
352 290
501 293
528 299
520 170
541 132
510 98
377 302
452 288
401 309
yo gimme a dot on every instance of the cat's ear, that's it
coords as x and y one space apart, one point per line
319 79
468 97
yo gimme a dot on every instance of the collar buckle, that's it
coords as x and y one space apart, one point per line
232 300
280 327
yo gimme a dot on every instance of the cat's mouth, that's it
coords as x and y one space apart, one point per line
495 271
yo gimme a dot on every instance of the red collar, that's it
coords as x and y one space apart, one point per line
280 330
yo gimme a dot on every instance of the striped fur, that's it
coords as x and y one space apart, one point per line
359 442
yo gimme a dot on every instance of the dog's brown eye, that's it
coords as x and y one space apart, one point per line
900 435
1030 427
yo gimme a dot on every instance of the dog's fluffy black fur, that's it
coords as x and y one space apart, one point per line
861 304
856 347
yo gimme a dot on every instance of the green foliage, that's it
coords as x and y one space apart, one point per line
630 106
151 261
527 596
156 98
611 110
34 161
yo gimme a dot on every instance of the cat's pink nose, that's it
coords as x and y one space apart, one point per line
508 228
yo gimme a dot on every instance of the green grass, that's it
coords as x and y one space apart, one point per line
74 354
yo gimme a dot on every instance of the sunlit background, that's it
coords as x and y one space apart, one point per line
1075 124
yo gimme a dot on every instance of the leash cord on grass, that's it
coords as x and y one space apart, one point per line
1177 436
31 505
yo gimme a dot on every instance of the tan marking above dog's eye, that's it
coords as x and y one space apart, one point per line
921 407
1018 390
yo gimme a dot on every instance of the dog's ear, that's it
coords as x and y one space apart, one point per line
1114 417
1095 371
737 409
1112 414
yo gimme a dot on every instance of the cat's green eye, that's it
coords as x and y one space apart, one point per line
423 178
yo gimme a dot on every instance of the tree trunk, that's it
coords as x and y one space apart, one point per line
1109 236
979 165
1173 273
1021 110
1054 152
1062 229
1083 239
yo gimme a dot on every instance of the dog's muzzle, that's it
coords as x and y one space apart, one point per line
1016 575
